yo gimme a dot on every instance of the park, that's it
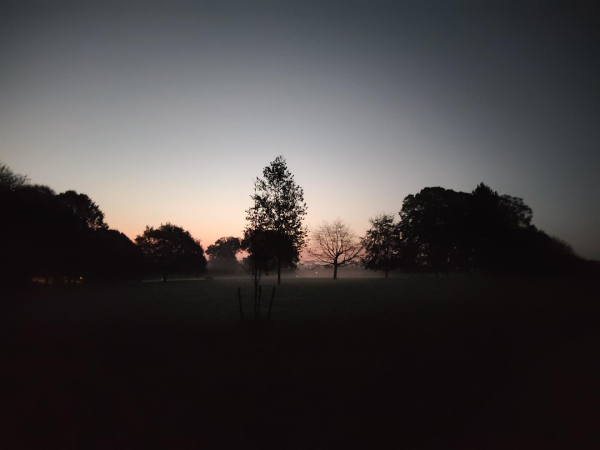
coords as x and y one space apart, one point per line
299 224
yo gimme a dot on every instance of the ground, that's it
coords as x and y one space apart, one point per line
415 362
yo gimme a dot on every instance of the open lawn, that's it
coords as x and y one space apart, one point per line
416 362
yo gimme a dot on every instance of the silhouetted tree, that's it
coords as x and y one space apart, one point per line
496 227
85 209
279 206
40 237
115 257
258 242
432 226
443 230
225 248
335 244
10 181
261 259
58 237
171 249
382 244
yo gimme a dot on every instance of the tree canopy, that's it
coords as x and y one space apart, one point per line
279 207
382 244
64 237
335 244
225 248
42 235
171 249
443 231
84 209
10 181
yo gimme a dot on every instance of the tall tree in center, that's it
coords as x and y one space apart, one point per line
279 202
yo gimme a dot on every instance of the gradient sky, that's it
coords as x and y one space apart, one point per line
168 111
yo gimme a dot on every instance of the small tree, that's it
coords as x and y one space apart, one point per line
335 245
171 249
261 253
382 244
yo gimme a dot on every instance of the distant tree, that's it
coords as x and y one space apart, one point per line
382 244
171 249
10 181
225 248
85 209
279 207
335 244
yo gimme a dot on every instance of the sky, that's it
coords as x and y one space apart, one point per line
168 111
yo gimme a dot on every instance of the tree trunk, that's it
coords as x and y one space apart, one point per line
164 278
256 280
335 270
278 271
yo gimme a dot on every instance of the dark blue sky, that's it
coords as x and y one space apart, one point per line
166 111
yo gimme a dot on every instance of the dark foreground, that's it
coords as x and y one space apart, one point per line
399 363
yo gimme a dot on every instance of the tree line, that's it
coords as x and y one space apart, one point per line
63 237
443 231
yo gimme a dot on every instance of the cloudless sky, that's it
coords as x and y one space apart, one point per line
168 111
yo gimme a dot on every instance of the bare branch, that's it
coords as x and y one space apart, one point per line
335 244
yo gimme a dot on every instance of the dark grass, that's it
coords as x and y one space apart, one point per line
401 363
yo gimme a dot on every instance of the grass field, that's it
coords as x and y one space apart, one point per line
400 363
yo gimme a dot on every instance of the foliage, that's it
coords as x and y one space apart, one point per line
40 236
336 245
382 244
10 181
225 248
262 252
85 209
116 257
443 231
171 249
64 237
60 238
279 207
432 229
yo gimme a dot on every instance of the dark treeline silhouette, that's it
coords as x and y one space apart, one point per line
444 231
59 237
43 237
62 238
